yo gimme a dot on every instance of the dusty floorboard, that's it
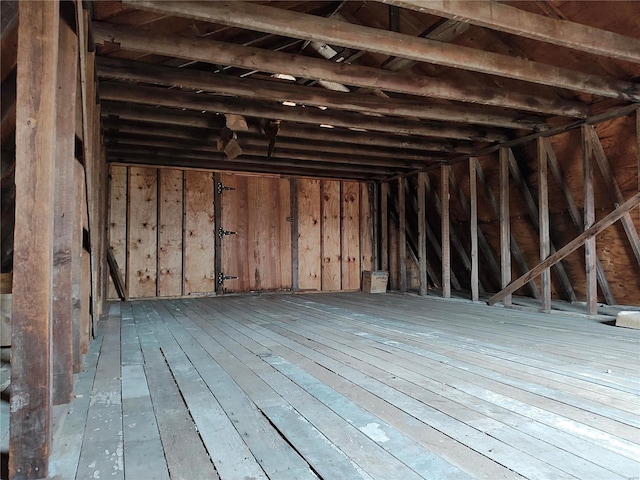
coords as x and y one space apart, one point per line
352 386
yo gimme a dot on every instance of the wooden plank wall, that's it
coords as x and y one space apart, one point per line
335 231
163 233
199 231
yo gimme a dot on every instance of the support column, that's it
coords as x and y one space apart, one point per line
30 418
446 239
65 205
422 232
384 226
402 237
295 271
589 219
505 226
543 220
473 193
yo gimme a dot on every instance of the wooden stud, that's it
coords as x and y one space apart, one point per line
384 226
446 231
402 237
532 208
612 185
350 236
422 232
569 248
118 178
589 219
576 216
77 278
30 416
543 209
505 227
473 194
65 204
374 201
293 189
331 231
367 260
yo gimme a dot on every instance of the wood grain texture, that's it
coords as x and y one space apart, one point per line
309 233
350 236
473 222
505 223
170 207
331 235
367 227
142 232
65 204
234 247
445 230
543 211
590 252
199 230
30 419
384 226
118 178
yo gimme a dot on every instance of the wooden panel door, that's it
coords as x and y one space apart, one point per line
259 252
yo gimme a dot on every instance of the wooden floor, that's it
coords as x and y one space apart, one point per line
351 386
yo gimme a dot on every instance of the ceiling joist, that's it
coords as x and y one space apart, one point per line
310 27
498 16
223 53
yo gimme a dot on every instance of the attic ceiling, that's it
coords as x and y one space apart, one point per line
353 89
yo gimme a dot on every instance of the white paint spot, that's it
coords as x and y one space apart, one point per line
19 401
96 474
373 431
92 465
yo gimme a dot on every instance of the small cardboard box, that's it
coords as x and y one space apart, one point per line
375 282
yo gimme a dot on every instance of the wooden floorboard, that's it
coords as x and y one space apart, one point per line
351 386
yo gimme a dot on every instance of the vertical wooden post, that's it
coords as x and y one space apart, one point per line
384 226
422 232
473 193
543 220
65 205
374 194
217 213
293 188
638 148
589 219
402 237
446 242
30 418
505 227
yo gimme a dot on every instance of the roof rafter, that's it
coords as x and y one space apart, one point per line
309 27
505 18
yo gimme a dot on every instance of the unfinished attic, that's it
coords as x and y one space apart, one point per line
280 240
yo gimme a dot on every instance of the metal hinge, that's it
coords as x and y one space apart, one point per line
222 277
222 232
221 188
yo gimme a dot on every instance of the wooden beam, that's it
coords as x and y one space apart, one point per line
576 216
422 232
484 244
505 224
30 417
402 236
163 97
128 71
532 208
308 27
590 252
171 116
612 186
505 18
210 51
569 248
384 226
445 229
473 196
543 209
256 145
637 115
65 204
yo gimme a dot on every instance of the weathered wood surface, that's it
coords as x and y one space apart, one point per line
570 247
118 179
309 235
590 252
353 386
170 215
30 419
331 236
